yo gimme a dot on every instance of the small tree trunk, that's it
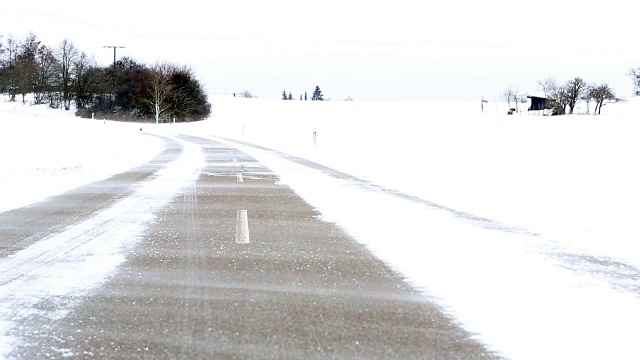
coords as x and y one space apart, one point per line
588 104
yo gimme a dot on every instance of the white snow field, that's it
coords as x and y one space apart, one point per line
523 228
46 151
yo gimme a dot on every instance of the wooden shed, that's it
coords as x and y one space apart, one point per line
538 103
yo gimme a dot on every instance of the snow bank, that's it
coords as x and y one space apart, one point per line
46 152
566 288
571 178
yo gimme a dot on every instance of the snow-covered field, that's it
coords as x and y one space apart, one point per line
557 277
553 275
572 178
45 152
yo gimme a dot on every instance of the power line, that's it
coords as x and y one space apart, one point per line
114 52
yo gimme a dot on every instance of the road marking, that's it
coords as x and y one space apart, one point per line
242 227
239 177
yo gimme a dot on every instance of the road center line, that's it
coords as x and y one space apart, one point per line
239 177
242 227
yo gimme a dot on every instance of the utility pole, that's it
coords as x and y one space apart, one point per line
113 76
114 53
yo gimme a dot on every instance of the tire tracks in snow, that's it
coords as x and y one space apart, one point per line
368 185
48 277
618 274
24 226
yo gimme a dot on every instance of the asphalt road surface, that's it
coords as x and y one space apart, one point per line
233 266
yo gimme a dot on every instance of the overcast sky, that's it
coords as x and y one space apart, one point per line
368 50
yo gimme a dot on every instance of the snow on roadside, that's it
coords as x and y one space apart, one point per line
571 178
46 279
569 292
518 302
46 152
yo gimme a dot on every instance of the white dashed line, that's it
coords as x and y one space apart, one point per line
242 227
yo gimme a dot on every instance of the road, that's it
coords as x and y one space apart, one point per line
209 259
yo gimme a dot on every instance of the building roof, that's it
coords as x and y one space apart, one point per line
536 97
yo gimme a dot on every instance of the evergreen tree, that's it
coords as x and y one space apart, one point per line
290 97
300 96
305 95
317 94
284 94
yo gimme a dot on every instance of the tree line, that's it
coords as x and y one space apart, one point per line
562 98
65 75
316 96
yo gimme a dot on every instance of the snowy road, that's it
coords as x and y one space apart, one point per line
203 253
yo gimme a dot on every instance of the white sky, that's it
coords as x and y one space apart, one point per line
373 50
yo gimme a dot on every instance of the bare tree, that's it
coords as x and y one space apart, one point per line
508 95
3 68
547 85
159 88
575 89
85 80
183 103
67 55
44 73
587 96
516 94
559 100
602 94
246 94
2 51
557 95
634 74
25 65
10 60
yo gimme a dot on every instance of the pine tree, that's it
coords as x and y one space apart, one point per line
300 96
305 95
284 94
317 94
290 97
